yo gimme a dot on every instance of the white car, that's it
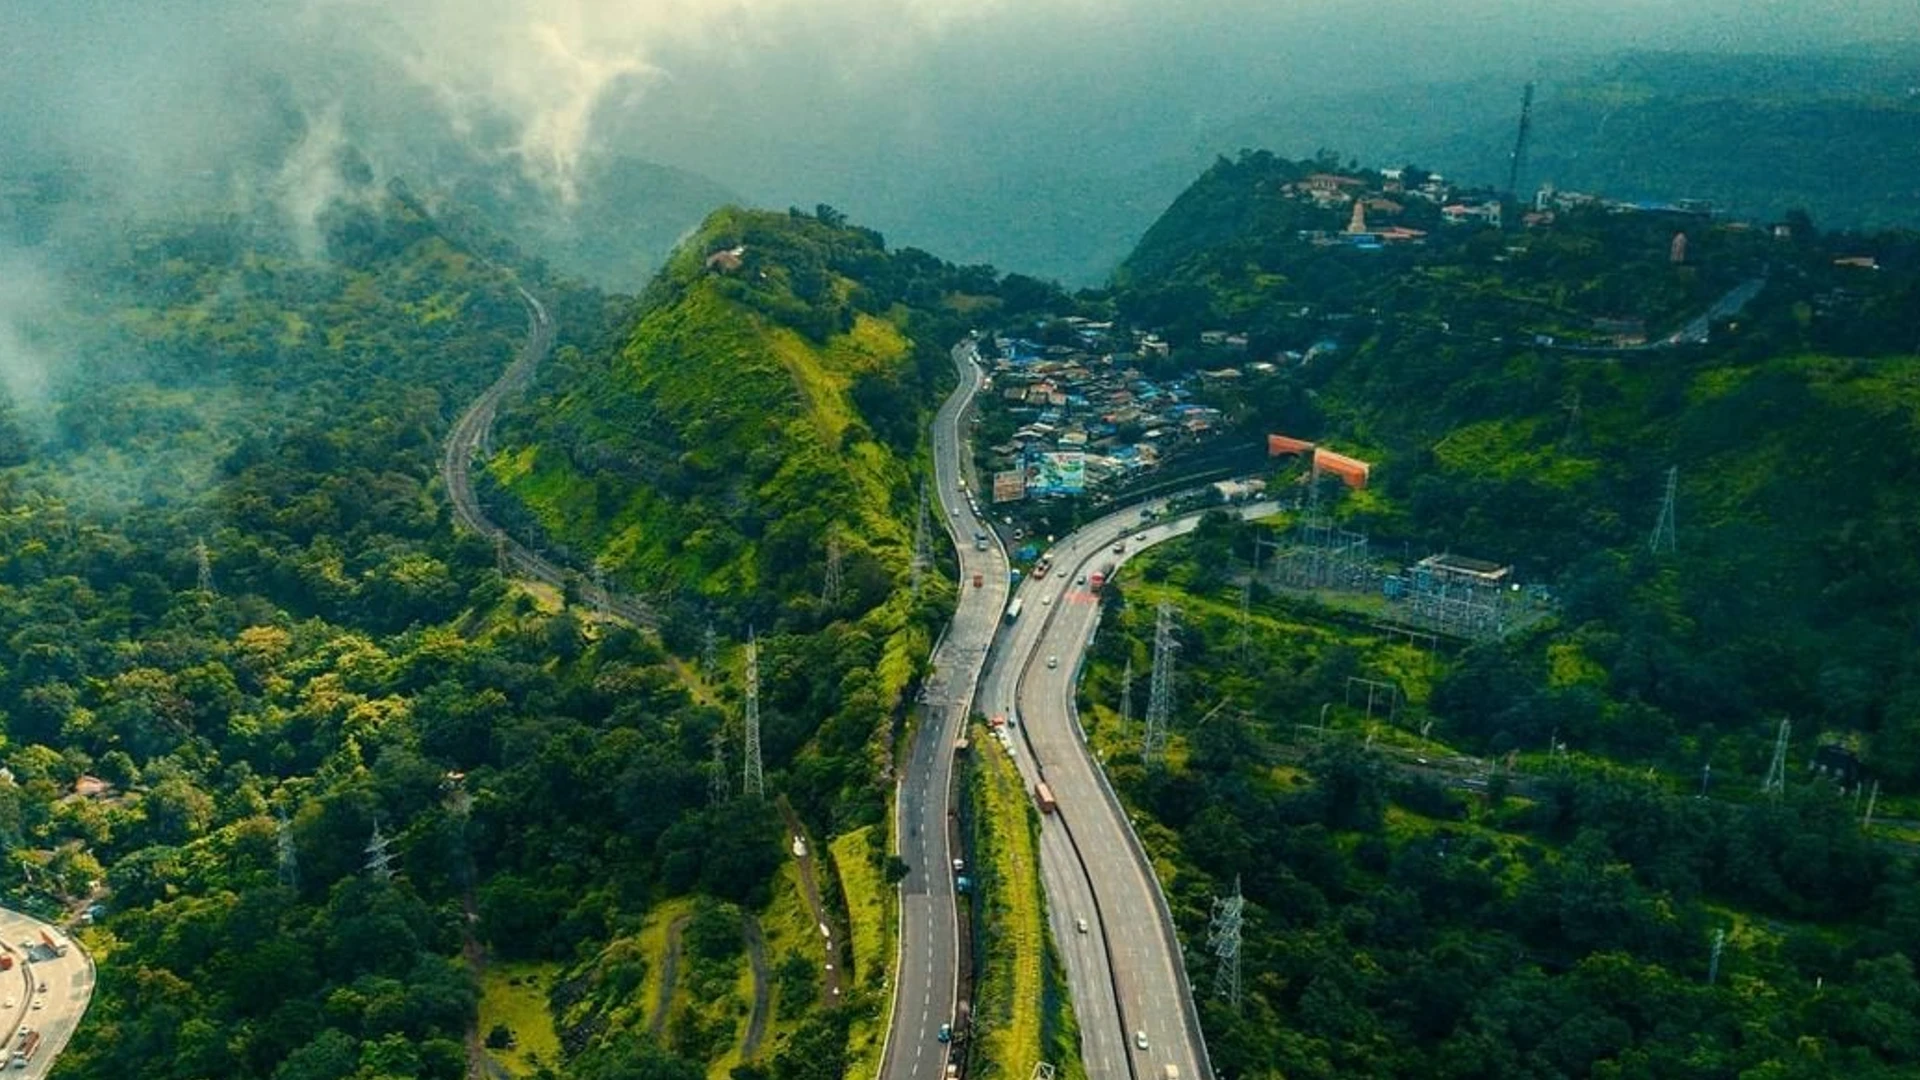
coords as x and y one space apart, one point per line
12 1003
1140 1039
1053 661
1080 925
39 1003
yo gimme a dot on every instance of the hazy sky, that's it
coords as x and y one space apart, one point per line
880 106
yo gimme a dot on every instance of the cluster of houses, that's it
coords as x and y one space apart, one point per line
1089 404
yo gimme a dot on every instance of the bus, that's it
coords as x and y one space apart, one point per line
1013 609
1043 795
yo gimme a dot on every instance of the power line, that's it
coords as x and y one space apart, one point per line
753 782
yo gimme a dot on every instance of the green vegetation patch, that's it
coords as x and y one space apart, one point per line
516 1020
1011 1000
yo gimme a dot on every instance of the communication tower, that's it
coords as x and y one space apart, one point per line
1160 690
1518 159
753 783
1223 937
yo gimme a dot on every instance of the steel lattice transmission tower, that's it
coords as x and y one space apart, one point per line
599 590
1713 958
1223 937
1776 781
379 857
830 591
718 789
1160 690
289 854
709 650
922 541
1664 540
204 563
1246 619
753 782
1126 695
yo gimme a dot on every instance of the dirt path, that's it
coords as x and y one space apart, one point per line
756 956
830 987
669 968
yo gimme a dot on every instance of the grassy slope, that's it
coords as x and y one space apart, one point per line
516 995
873 915
713 410
1013 1010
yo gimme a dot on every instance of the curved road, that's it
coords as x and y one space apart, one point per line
472 436
927 962
69 982
1126 972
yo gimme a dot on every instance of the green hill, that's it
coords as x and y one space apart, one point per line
763 403
1449 898
1793 429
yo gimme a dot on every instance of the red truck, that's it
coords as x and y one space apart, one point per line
1099 577
1043 795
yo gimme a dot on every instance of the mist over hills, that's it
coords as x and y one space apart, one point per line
1040 137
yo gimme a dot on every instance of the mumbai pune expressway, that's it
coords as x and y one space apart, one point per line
1125 971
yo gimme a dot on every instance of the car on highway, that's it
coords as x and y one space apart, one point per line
1140 1039
39 1003
12 1003
1141 537
1081 580
1120 548
1053 661
1080 925
946 1033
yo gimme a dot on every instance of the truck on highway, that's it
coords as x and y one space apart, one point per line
29 1046
6 961
1100 577
1043 795
1013 609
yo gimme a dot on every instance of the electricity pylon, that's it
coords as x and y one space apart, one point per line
753 782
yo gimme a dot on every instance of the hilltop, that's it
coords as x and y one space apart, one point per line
761 404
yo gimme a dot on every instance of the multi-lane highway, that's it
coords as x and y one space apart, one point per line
923 996
43 996
1125 970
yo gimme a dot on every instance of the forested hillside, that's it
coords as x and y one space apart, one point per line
1508 869
363 794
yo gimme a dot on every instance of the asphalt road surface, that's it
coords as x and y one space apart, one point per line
472 437
69 980
924 980
1125 972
